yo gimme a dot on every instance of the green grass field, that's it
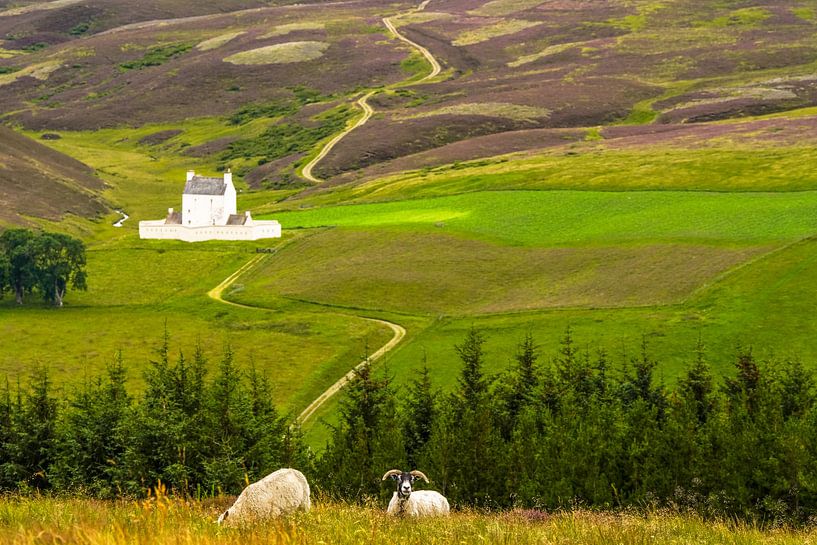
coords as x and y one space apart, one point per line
735 269
722 165
581 218
663 243
26 521
136 287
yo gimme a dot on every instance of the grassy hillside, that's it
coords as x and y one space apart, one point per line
28 521
38 183
727 266
136 289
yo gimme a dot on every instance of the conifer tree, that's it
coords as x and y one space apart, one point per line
696 386
37 430
797 389
571 370
525 380
365 439
419 412
9 470
92 438
472 383
477 441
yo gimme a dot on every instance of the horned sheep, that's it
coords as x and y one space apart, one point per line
279 493
418 503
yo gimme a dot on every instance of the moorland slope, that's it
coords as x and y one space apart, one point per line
38 182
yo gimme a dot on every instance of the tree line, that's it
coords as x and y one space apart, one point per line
41 261
580 431
198 435
573 430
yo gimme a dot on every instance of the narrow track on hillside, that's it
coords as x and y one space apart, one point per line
399 332
363 103
367 113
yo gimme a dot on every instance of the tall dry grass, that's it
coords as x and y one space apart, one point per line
164 520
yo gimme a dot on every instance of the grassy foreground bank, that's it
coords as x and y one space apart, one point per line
164 520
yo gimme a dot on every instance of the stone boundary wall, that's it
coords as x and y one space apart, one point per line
257 230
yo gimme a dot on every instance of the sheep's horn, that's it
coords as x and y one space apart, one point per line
420 474
391 472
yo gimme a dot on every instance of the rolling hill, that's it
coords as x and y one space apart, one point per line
632 169
38 182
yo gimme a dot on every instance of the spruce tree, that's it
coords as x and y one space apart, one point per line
696 386
9 469
365 440
419 412
525 379
37 431
92 437
472 383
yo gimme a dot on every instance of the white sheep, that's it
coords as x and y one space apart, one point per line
417 504
279 493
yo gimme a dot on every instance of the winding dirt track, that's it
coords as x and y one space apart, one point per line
367 113
435 66
363 103
399 333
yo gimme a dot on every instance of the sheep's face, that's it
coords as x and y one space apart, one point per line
404 482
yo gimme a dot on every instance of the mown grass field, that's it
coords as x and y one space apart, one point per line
44 520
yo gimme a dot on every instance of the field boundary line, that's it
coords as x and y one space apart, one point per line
399 333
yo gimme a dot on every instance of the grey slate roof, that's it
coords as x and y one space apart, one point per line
201 185
237 219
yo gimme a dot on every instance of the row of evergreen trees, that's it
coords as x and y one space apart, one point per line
579 431
574 431
197 435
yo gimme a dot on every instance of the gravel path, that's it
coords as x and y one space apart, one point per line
363 103
399 333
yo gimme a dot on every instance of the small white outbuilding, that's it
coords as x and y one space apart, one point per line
209 213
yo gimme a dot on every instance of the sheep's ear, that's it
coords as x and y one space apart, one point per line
395 477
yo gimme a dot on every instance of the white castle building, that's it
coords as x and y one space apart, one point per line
208 213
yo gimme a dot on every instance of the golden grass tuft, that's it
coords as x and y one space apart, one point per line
507 110
285 53
218 41
283 30
500 8
495 30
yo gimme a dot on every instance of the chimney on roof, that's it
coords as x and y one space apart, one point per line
228 177
190 174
